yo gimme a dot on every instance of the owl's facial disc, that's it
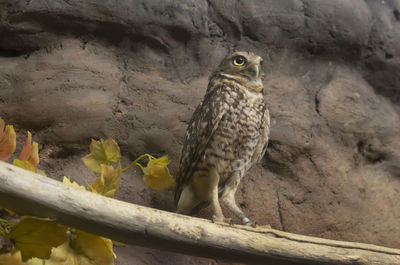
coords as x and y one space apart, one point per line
245 67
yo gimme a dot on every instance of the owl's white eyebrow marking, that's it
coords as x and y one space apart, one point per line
257 82
228 75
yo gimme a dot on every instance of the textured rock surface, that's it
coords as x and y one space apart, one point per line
135 70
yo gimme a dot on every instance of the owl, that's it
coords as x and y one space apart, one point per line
227 134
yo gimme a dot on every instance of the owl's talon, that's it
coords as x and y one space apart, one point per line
246 221
213 219
228 221
216 219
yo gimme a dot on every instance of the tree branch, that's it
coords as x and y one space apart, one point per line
31 194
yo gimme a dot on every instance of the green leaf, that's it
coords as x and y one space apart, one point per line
35 237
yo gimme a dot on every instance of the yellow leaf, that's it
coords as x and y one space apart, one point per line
28 166
34 157
15 259
157 175
11 259
96 156
107 183
112 151
97 149
34 261
41 172
67 181
118 244
64 255
30 151
102 152
85 249
29 157
97 249
35 237
25 164
7 141
92 163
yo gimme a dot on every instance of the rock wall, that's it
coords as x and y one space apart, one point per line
71 70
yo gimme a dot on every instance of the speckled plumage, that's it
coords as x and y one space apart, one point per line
228 133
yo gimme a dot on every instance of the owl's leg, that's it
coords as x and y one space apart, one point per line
228 197
187 201
213 196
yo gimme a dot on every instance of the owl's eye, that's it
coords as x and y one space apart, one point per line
239 61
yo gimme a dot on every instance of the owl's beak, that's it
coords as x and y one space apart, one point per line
254 70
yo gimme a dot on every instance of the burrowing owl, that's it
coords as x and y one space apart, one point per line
228 133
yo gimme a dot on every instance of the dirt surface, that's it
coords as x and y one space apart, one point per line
72 70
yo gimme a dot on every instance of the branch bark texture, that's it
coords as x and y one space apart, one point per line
31 194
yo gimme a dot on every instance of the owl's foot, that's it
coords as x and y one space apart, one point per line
216 219
254 224
246 221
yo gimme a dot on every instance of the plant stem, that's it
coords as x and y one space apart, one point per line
4 225
3 231
134 163
6 222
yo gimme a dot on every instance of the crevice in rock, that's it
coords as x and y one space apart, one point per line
279 206
329 77
396 14
67 2
276 160
377 71
368 151
247 31
179 34
111 32
316 100
317 168
332 34
223 22
305 8
12 53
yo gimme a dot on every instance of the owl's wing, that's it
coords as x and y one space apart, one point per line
201 128
262 143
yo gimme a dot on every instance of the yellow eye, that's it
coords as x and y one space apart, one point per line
239 61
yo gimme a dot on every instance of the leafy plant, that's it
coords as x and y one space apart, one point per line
29 156
7 141
41 241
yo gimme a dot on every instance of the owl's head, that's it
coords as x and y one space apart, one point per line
244 67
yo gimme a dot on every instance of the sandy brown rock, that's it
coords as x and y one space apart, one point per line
135 70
